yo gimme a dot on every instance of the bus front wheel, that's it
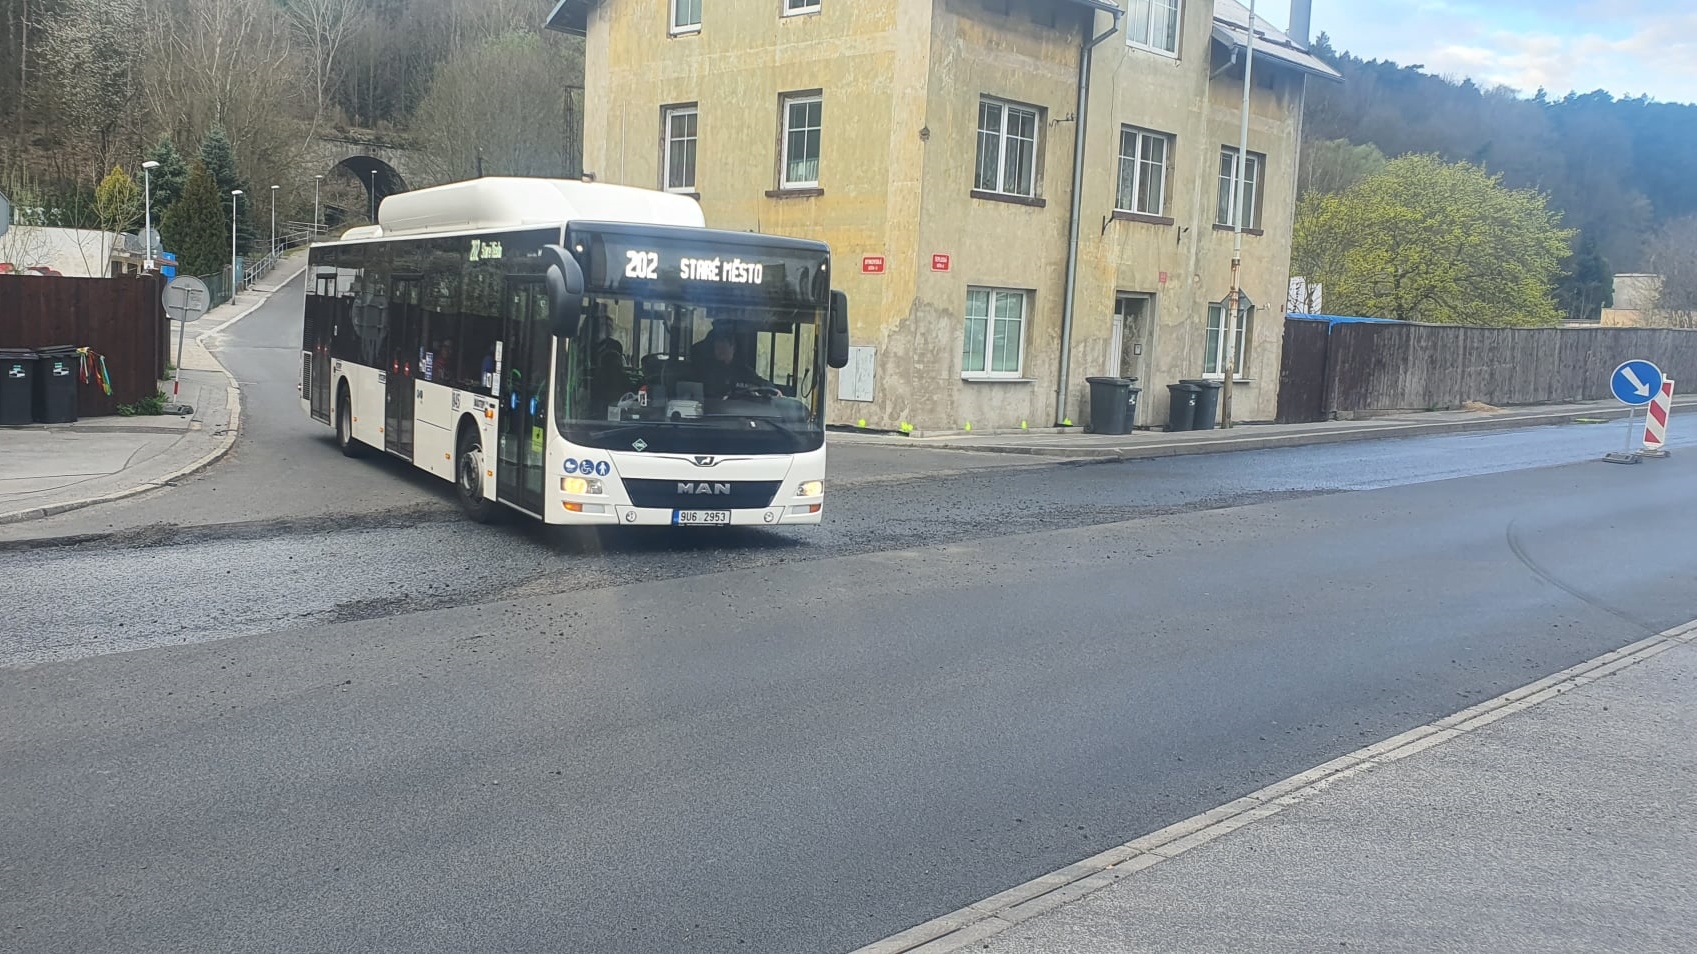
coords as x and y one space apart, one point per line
469 479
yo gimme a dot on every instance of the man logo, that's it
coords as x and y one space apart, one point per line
704 488
706 461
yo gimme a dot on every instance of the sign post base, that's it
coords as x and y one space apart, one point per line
1619 457
1655 452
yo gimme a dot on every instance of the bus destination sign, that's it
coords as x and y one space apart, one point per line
655 266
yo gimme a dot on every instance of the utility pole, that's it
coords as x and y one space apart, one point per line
273 220
1233 318
147 187
374 197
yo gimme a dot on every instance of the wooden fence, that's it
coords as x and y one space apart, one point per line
1371 368
120 318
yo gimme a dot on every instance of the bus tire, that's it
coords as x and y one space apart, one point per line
468 477
345 439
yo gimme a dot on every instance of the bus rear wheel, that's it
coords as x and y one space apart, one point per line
468 478
345 426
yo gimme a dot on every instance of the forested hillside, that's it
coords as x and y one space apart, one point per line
1621 171
86 85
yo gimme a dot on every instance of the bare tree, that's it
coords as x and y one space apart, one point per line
1673 257
511 102
321 29
228 62
24 245
91 56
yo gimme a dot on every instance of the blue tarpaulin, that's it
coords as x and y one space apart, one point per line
1345 319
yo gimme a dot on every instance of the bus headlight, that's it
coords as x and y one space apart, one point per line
811 488
582 486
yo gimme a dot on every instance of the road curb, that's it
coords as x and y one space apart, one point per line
1232 444
969 926
232 430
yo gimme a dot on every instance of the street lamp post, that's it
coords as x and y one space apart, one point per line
374 197
273 220
235 194
147 185
1232 319
317 181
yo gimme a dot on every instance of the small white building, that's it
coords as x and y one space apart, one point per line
74 253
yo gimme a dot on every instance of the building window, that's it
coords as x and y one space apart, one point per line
792 7
1143 171
1007 149
1153 25
686 16
995 333
803 118
1212 360
1227 214
677 156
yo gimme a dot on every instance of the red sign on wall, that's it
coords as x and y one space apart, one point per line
872 265
939 263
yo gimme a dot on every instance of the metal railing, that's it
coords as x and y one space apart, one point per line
295 235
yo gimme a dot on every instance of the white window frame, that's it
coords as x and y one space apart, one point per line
784 104
990 319
668 139
674 9
1005 109
1140 21
1225 212
795 8
1212 364
1138 159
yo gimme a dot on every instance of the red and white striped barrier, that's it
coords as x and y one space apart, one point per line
1656 419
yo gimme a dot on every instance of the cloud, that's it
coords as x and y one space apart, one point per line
1627 47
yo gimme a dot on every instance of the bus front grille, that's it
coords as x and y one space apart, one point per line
702 494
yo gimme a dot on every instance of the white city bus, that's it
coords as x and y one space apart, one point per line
582 353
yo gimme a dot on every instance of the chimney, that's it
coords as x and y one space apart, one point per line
1301 20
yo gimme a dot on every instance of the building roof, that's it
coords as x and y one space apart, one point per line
500 202
569 16
572 16
1231 28
1104 6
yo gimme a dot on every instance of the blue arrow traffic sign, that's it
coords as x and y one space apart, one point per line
1636 382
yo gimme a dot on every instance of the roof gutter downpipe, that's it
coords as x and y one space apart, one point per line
1084 60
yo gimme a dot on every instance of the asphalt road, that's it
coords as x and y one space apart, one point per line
352 722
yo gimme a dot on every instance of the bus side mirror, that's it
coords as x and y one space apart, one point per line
565 291
838 356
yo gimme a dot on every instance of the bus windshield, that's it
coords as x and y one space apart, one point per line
663 377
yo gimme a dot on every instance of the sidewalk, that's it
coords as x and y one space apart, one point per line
1079 444
1565 826
49 469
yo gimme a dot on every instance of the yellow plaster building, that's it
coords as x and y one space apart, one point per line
931 143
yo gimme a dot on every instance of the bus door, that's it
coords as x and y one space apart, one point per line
398 408
526 354
320 331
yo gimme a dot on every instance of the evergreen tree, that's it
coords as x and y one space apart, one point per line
1586 285
219 158
173 173
195 226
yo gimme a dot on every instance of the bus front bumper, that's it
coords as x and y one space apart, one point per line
795 514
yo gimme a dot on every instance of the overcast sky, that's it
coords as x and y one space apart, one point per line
1627 47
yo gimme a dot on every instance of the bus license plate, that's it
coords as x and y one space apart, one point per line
701 518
